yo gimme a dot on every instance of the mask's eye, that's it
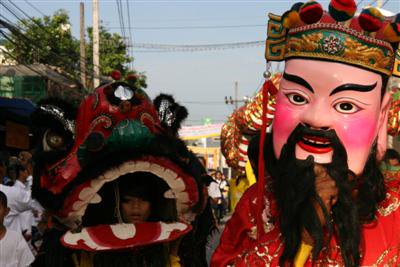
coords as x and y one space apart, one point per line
346 107
297 99
53 141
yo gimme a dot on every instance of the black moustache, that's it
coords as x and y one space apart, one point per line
301 130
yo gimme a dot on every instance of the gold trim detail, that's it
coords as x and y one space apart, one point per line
394 205
333 42
307 43
371 56
389 262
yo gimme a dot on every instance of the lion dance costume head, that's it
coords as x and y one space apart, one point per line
88 157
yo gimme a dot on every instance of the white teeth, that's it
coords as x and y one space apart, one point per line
109 175
316 142
78 205
142 165
95 199
169 194
309 140
127 167
157 170
86 193
177 184
89 195
170 174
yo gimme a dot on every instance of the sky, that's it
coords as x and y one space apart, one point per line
198 80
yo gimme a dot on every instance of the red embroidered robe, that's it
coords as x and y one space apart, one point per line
380 241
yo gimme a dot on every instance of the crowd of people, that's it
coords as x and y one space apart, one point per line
21 213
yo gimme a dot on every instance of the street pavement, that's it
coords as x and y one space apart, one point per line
214 238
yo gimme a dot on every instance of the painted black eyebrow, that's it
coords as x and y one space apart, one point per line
353 87
298 80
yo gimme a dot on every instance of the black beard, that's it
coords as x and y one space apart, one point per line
293 185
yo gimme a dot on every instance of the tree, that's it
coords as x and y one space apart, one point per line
48 40
45 40
113 51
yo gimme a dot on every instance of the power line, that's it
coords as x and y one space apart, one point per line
37 10
205 103
195 27
130 31
387 1
372 2
359 3
121 18
193 48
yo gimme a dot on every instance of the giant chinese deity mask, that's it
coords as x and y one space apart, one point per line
116 132
331 96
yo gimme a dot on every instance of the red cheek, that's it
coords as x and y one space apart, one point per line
358 134
286 119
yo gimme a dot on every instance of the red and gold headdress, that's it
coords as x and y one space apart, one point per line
306 31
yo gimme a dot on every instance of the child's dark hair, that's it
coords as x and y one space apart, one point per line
18 167
3 199
391 154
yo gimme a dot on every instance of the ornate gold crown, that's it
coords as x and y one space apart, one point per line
306 31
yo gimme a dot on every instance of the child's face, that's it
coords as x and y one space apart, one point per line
394 162
3 212
135 209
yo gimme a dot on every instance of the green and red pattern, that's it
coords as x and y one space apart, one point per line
342 10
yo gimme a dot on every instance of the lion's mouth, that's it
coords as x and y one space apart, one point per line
182 188
123 236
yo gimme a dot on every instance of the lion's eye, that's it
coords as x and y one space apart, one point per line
53 141
123 92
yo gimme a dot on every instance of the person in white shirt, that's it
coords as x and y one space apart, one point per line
30 217
213 191
14 251
224 187
216 199
19 200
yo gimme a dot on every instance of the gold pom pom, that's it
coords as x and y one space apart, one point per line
291 19
391 32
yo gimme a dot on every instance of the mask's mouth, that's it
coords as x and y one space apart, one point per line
181 187
315 144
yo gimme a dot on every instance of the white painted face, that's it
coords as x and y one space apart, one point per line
327 95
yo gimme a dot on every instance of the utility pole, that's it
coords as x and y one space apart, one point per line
235 101
82 45
96 61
